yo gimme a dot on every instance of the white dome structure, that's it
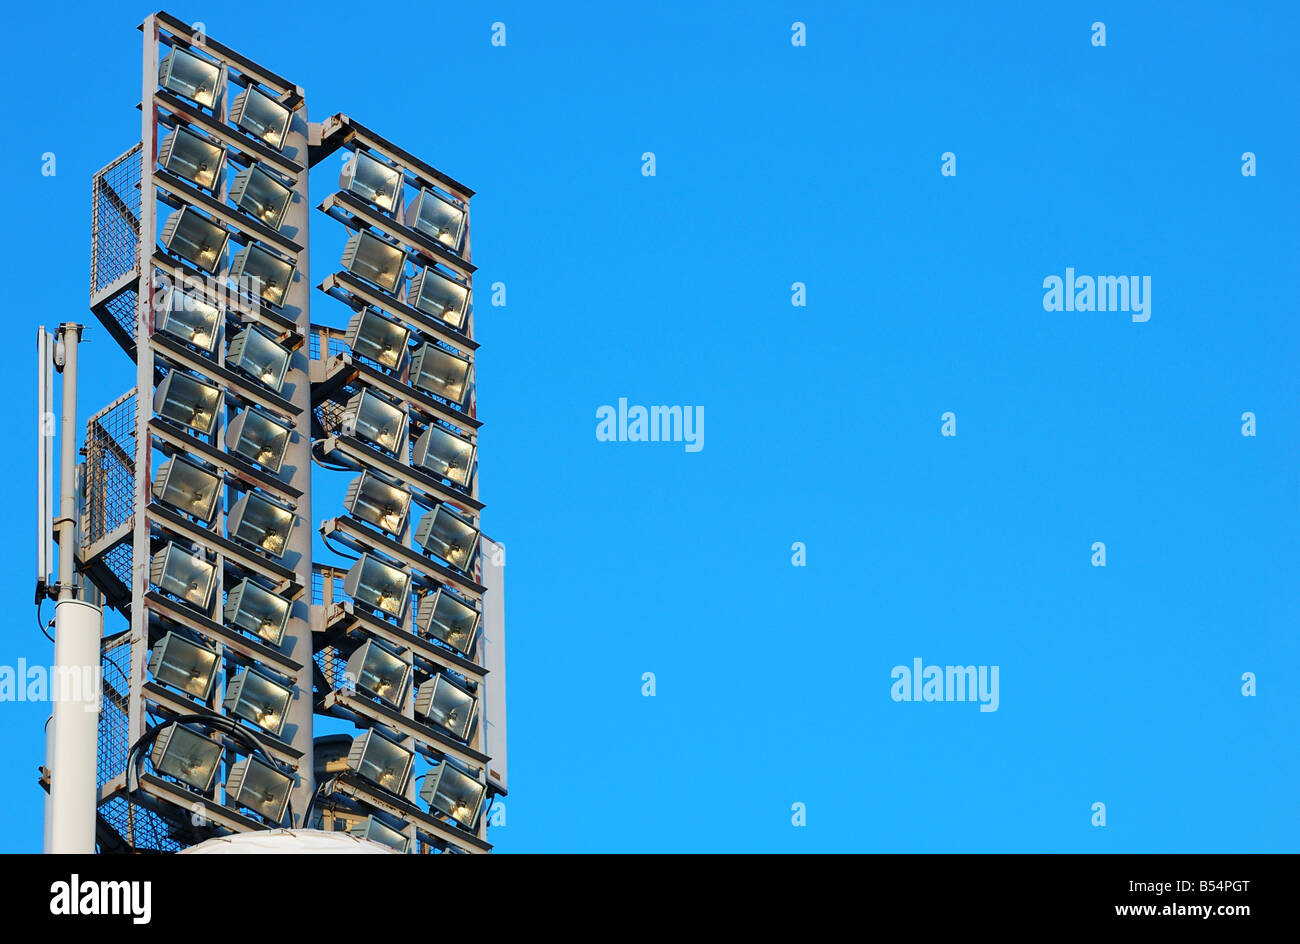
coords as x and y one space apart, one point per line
288 842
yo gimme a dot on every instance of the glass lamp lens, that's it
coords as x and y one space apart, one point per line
433 216
185 754
372 180
440 373
261 116
258 438
257 610
177 662
445 454
187 401
259 194
187 74
446 618
375 260
187 155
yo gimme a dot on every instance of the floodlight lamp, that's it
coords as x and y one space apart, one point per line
254 609
186 400
371 179
195 238
375 260
448 705
380 586
377 671
444 454
376 831
270 274
259 193
187 576
258 438
372 419
258 521
447 535
433 215
454 793
377 338
181 752
188 488
378 502
185 665
261 116
256 785
440 372
196 78
195 158
259 357
380 760
191 319
453 621
254 697
436 294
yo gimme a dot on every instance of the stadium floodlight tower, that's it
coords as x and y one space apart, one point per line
192 521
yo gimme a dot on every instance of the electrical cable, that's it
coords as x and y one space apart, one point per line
40 624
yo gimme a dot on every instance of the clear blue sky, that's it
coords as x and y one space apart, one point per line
820 164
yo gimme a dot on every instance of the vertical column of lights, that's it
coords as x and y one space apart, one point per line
214 595
407 435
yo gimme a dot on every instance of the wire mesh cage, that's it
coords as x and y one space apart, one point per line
115 243
110 487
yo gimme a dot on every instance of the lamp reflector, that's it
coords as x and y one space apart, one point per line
254 697
447 535
380 760
181 752
258 438
254 609
191 319
184 399
447 705
185 665
260 357
257 192
256 785
378 585
435 216
188 488
444 454
375 260
435 294
377 671
372 419
379 502
260 522
261 116
376 831
195 238
454 793
449 619
189 577
440 372
272 274
371 179
196 78
377 338
195 158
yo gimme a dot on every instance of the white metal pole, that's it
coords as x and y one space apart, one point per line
76 726
77 631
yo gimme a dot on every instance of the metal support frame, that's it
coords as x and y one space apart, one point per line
143 809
